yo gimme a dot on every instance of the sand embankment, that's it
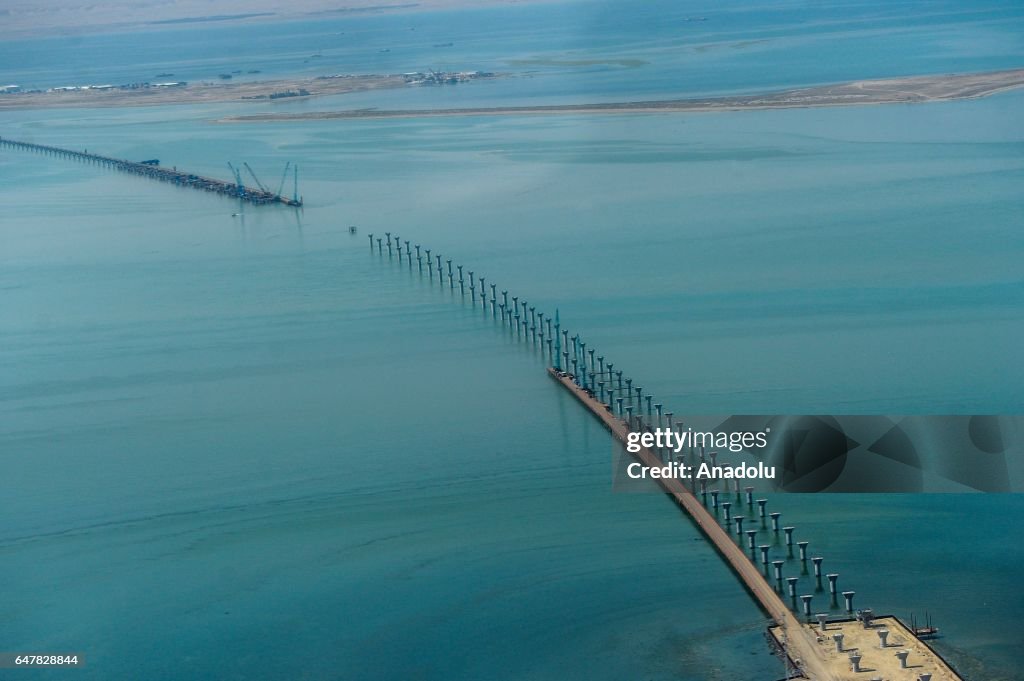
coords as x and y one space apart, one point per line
889 91
200 93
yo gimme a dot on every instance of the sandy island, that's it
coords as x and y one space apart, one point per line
888 91
198 93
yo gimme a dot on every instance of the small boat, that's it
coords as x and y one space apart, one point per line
927 631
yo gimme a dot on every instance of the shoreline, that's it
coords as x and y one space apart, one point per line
908 90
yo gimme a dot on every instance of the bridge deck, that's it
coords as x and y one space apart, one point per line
800 642
156 172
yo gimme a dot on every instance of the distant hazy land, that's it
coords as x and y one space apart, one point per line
20 18
888 91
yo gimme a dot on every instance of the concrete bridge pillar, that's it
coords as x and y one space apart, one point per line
792 585
725 507
760 507
838 638
802 545
832 578
739 525
883 634
750 496
848 595
817 566
764 553
806 598
902 657
775 520
777 564
789 535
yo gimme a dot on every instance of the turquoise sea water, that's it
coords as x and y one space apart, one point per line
244 447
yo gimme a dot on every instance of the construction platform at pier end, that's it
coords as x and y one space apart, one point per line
873 648
863 653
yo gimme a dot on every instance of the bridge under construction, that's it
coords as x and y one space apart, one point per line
153 170
812 644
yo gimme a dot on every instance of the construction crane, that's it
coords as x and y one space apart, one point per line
284 176
258 183
238 179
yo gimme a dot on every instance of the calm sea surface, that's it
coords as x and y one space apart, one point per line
243 447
